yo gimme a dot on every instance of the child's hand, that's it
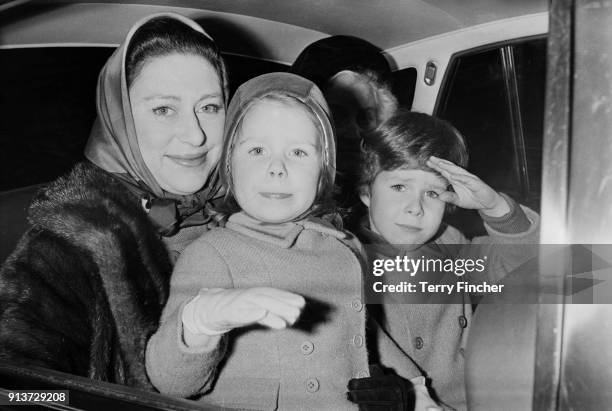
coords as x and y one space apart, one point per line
216 311
470 191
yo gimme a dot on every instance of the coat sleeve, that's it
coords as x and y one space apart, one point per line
173 367
503 251
47 291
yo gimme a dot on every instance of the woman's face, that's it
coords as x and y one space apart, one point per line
178 109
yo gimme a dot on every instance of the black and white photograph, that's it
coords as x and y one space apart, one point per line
369 205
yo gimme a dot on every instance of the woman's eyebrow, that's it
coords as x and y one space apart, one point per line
177 98
161 97
209 95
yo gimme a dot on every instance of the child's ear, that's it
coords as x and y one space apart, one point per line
364 195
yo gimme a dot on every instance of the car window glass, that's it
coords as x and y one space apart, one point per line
404 83
530 60
477 100
48 107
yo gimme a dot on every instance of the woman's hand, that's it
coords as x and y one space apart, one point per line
216 311
469 191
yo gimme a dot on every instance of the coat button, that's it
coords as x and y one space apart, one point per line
358 340
418 343
462 321
357 305
312 385
307 347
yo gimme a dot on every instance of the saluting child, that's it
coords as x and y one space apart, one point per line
412 172
229 328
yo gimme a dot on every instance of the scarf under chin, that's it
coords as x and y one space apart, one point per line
173 212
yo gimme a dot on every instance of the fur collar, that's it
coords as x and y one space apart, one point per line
84 289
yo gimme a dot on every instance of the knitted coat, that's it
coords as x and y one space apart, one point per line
307 366
85 287
434 335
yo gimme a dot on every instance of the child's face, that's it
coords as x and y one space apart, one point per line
276 162
403 205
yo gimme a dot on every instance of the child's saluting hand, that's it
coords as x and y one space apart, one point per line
469 191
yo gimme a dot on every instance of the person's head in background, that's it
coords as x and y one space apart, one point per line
397 186
355 78
161 107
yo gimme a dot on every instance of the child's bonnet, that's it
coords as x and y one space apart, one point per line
279 84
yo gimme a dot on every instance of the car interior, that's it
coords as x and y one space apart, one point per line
501 72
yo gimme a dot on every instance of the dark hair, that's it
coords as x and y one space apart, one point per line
324 205
407 140
164 35
324 58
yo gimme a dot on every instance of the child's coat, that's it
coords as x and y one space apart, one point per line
434 335
306 366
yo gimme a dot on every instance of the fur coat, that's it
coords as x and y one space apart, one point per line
85 287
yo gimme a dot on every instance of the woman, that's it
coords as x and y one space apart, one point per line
85 286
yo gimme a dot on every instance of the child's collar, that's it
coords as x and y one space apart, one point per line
282 235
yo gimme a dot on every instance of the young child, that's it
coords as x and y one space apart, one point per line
409 164
274 261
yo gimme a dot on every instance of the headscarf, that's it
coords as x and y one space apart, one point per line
113 146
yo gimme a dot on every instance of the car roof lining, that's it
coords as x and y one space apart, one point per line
275 30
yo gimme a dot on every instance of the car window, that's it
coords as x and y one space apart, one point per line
531 70
404 83
495 98
48 107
